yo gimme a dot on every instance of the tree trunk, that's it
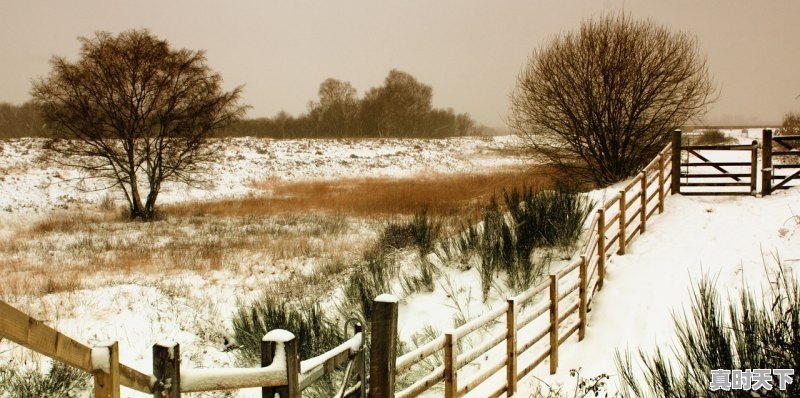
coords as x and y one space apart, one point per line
150 205
136 207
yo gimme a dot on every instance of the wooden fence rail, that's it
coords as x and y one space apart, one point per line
533 334
788 158
281 371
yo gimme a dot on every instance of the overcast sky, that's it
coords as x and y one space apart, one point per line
469 51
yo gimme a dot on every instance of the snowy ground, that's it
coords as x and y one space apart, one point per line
730 239
31 186
88 277
726 237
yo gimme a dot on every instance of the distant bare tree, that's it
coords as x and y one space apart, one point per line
599 102
135 112
337 108
398 108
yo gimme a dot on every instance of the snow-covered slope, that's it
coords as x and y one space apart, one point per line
727 238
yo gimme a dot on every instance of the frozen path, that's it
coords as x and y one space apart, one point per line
726 237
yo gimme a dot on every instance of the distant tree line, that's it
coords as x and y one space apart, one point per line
21 121
401 107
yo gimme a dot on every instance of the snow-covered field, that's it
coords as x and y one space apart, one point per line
69 262
31 186
729 238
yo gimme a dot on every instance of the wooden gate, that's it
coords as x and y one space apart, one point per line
735 175
781 161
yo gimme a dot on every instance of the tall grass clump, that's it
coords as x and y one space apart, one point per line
421 232
546 218
62 381
314 331
531 221
372 277
754 332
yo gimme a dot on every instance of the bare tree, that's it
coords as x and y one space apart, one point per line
135 112
599 102
397 108
337 108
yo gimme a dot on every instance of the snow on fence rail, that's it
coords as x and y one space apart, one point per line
281 371
569 291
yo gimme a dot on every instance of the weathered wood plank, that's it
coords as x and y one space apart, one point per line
33 334
450 365
106 381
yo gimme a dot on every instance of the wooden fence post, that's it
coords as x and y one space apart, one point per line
601 247
623 219
676 162
360 363
553 323
643 214
105 360
269 349
766 162
660 183
167 371
383 351
511 348
450 364
754 168
582 293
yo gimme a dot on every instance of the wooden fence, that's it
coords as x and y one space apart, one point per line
533 331
699 172
787 150
281 373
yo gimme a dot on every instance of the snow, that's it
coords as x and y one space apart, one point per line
729 238
101 357
192 308
226 378
278 336
386 298
352 345
31 185
235 378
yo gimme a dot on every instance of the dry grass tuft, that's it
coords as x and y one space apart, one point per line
443 195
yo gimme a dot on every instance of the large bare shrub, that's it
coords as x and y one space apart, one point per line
599 102
135 113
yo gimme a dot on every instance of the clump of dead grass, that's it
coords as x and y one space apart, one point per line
450 195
